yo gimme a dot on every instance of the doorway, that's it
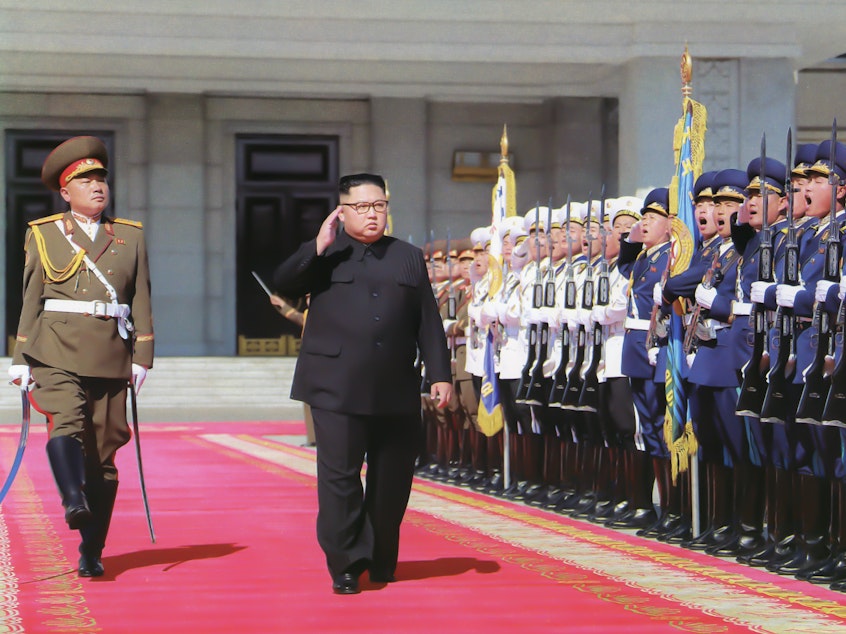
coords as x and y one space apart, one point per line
286 186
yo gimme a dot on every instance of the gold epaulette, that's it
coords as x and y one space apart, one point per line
131 223
46 219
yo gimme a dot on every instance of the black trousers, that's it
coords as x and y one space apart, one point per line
358 527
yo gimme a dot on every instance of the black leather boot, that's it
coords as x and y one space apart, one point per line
67 461
95 532
812 539
640 512
833 569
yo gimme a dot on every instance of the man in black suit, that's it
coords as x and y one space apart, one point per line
371 309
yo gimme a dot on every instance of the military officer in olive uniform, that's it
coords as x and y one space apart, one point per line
85 331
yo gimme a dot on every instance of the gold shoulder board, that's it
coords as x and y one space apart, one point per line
131 223
46 219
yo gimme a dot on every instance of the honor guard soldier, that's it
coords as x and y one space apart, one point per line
512 355
818 446
442 420
644 258
633 490
85 332
531 301
480 239
572 488
683 285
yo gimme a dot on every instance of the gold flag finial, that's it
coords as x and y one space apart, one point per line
503 145
686 73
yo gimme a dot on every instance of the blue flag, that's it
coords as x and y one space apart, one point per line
490 416
678 433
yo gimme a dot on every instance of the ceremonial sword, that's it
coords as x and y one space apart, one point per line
134 405
16 463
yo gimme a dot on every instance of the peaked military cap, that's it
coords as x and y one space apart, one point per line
730 184
702 187
823 163
774 175
806 155
71 159
657 201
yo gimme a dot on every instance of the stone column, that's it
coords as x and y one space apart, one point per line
398 145
175 225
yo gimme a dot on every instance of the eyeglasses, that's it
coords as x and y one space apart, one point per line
379 206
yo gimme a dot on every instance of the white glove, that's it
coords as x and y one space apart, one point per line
842 292
447 325
139 374
583 317
536 316
652 354
20 376
758 291
489 313
705 296
600 316
786 295
689 358
568 316
821 292
657 294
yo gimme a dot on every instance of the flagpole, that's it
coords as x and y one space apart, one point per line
506 435
695 519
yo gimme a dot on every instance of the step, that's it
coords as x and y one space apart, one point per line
202 388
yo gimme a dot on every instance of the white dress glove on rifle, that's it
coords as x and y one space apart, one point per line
842 292
821 291
759 289
139 374
786 295
705 296
652 354
20 376
657 294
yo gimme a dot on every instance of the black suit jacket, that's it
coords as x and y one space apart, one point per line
371 307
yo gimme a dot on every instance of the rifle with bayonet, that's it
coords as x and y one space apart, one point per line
559 379
817 383
532 334
452 301
537 391
754 386
575 381
783 368
589 396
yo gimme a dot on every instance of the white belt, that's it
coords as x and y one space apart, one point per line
94 308
636 324
741 308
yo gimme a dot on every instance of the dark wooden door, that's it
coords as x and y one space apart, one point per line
287 185
27 199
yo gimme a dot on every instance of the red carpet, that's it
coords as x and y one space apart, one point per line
234 506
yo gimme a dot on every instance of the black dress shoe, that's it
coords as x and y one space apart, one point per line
346 583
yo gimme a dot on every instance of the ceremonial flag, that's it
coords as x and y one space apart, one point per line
678 430
490 417
504 204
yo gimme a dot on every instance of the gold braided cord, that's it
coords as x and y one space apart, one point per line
51 273
698 126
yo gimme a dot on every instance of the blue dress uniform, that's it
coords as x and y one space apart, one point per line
711 371
822 541
647 381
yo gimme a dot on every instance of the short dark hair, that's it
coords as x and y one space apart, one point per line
354 180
